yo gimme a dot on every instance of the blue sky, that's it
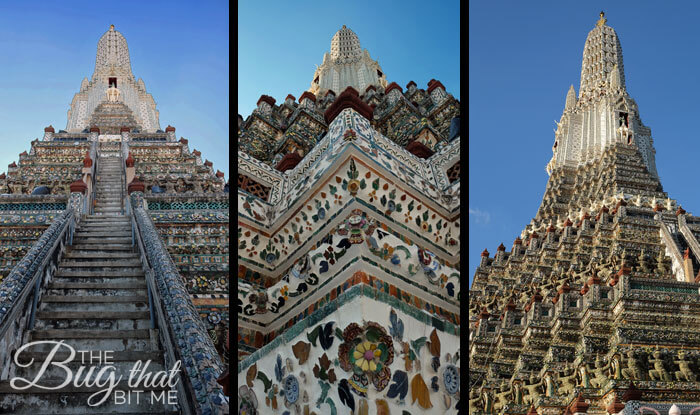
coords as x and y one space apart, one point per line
179 49
281 42
522 58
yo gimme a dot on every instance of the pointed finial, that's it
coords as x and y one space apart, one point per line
570 98
111 27
602 19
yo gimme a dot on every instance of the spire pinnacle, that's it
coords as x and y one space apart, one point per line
602 19
570 98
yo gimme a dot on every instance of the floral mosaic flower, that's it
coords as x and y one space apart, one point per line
451 379
366 352
366 356
291 389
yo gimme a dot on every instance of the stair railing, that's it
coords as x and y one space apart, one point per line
122 160
93 179
28 277
181 330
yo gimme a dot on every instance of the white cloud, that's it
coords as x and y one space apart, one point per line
479 216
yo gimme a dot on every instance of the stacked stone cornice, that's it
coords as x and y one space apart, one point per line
272 131
353 172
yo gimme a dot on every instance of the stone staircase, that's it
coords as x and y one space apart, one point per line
97 301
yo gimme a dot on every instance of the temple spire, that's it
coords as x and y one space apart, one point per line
346 65
601 53
112 55
604 113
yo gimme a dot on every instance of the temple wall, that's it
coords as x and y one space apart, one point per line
316 367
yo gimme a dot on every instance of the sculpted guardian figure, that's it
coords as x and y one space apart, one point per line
659 372
633 371
685 373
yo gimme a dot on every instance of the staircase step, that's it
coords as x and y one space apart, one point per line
103 221
105 320
122 229
101 315
106 219
72 400
54 334
93 299
104 227
96 286
113 368
101 274
105 292
118 356
106 247
94 306
82 233
100 280
93 255
108 264
87 240
69 389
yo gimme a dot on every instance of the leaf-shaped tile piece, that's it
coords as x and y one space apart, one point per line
373 334
266 382
250 375
326 336
418 344
382 407
420 392
400 386
345 396
364 407
447 400
325 363
279 369
301 351
407 356
324 392
434 343
313 335
330 403
339 333
331 376
396 328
